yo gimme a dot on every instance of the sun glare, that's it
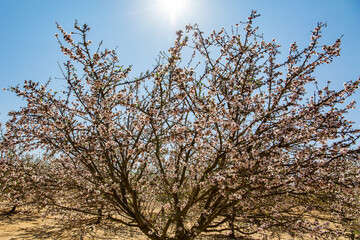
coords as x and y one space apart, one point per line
172 8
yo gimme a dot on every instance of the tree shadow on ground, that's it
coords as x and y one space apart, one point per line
222 237
17 216
56 233
40 230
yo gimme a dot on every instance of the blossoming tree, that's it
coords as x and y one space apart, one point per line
219 137
16 170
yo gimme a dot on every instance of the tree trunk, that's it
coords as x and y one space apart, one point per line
99 216
232 223
12 211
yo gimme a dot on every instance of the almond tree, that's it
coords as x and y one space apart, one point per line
8 185
221 138
15 189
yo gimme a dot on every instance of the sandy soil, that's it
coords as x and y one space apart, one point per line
26 226
30 225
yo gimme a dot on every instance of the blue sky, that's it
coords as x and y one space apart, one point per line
142 28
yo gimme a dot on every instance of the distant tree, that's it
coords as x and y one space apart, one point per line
14 182
7 183
220 138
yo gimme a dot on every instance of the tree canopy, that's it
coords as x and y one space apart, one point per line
220 136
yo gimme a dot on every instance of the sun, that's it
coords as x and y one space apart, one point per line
172 8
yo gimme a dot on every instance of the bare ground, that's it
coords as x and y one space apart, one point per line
31 225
